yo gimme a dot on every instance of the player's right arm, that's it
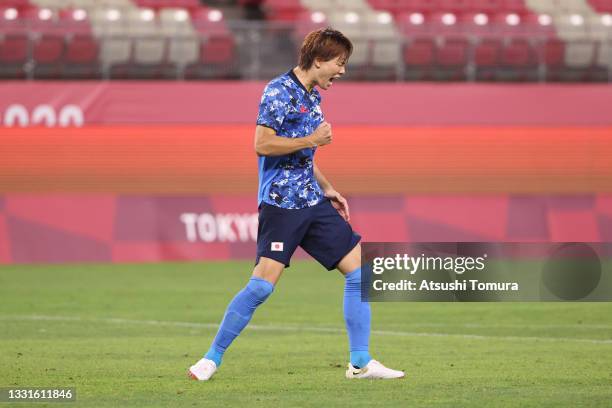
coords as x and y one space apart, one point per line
267 143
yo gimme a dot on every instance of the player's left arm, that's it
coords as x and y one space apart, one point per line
335 197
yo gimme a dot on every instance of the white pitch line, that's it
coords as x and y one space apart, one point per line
516 326
293 328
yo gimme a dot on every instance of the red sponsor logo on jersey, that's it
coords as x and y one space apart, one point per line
303 109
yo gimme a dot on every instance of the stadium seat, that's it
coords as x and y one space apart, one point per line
384 43
518 60
74 21
386 5
13 55
454 6
553 51
418 58
601 6
579 54
308 21
513 6
217 50
216 46
451 58
157 5
542 6
41 20
116 4
175 21
445 24
115 55
336 5
355 30
183 51
216 59
108 22
517 52
10 21
599 26
600 31
48 49
283 10
433 39
412 25
116 44
84 4
317 5
573 6
149 45
487 6
475 23
380 24
604 55
207 21
422 6
18 4
181 38
47 54
52 4
525 25
81 57
385 52
487 58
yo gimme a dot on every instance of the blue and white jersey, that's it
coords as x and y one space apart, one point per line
287 107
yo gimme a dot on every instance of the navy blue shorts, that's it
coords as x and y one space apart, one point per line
319 230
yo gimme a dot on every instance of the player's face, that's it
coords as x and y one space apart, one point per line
330 70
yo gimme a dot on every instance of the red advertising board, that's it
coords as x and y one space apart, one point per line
138 228
236 102
126 171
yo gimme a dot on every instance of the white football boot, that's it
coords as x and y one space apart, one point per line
373 370
202 370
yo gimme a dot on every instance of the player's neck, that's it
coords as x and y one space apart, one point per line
303 76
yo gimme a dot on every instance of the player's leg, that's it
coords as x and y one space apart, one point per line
238 314
357 314
332 242
268 269
279 233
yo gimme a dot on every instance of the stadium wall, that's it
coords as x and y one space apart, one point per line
75 227
157 171
236 102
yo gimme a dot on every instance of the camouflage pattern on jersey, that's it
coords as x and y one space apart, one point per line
292 112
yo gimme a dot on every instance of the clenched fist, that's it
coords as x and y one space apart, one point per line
322 135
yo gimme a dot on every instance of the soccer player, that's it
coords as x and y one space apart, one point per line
299 206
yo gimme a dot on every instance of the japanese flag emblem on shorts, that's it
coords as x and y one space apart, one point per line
276 247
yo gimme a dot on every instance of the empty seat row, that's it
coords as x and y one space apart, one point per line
450 5
510 59
126 35
51 55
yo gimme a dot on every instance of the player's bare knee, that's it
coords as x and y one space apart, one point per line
351 261
268 269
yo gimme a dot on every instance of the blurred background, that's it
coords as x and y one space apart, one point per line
127 125
398 40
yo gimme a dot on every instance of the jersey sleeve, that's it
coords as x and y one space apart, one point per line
273 107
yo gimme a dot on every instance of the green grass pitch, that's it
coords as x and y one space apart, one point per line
124 336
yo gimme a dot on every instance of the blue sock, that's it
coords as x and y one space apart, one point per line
238 315
357 317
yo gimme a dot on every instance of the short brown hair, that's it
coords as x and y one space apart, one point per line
324 43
